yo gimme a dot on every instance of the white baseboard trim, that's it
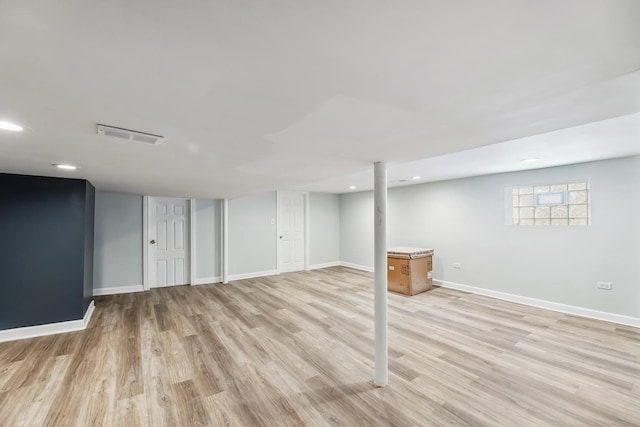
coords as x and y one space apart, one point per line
252 275
549 305
118 290
208 280
357 266
88 314
48 329
324 265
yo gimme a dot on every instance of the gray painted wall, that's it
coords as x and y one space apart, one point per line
252 236
463 220
324 228
118 240
208 238
252 245
356 228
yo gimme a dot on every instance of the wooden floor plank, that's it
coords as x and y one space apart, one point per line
297 349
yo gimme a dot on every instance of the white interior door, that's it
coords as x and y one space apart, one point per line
168 245
291 231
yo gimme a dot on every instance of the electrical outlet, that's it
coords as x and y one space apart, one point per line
603 285
457 265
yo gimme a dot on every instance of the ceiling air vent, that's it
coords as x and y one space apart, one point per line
131 135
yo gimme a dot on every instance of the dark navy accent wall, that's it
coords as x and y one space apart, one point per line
43 236
89 220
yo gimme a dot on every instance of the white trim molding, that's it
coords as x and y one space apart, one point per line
307 230
88 314
192 241
278 256
549 305
145 239
225 241
357 266
325 265
209 280
49 328
252 275
118 290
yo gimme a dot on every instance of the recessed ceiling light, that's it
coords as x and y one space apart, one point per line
353 187
10 126
66 167
529 160
416 177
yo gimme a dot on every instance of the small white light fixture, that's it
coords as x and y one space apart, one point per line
530 160
66 167
10 126
416 177
352 187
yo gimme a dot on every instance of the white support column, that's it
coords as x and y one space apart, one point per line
380 219
225 241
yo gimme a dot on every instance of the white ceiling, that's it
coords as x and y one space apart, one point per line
254 96
607 139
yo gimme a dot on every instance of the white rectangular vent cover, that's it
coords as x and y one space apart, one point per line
129 134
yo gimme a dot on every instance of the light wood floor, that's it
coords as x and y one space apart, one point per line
297 349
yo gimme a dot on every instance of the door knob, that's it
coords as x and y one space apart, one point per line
281 237
153 242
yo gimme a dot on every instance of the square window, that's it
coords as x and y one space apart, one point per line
542 212
577 186
552 204
516 213
559 211
526 190
578 211
526 200
576 197
526 213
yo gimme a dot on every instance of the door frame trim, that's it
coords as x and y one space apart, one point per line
192 242
145 239
306 233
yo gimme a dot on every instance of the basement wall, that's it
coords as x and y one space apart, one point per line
252 238
464 221
47 250
324 233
